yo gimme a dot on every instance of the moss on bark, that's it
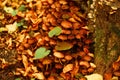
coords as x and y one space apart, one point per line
107 38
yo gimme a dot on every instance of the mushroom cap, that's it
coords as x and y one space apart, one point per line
58 54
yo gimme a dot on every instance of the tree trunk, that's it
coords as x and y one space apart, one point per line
107 37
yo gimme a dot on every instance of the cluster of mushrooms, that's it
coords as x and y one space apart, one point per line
41 17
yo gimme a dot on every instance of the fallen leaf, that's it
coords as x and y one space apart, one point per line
25 61
12 27
10 10
22 8
3 29
28 69
55 31
29 0
63 46
39 76
20 23
9 42
32 79
94 76
2 16
41 53
21 37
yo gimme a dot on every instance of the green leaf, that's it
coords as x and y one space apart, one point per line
55 31
2 29
21 23
32 79
17 79
63 46
22 8
14 13
10 10
41 53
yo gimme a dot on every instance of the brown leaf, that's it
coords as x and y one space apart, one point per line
63 46
25 61
27 71
39 76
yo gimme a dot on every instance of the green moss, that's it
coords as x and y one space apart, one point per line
115 29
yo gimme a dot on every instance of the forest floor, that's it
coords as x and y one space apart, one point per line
46 40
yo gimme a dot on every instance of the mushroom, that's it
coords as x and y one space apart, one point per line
58 54
84 63
87 58
66 24
67 68
68 57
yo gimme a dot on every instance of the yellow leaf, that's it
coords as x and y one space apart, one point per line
12 27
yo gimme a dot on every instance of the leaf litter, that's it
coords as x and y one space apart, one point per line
59 39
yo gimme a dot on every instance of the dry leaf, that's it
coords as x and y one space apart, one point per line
63 46
21 37
25 61
9 42
39 76
29 52
67 68
34 68
27 71
94 77
12 27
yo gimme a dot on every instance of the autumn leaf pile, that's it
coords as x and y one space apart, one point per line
50 37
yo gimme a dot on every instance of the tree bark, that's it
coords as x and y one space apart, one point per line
107 37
